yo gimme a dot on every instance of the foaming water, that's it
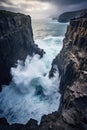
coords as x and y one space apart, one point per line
31 93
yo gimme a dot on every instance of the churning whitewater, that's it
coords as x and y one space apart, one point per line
31 93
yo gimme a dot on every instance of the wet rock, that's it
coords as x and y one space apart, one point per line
71 116
72 66
32 125
3 121
16 42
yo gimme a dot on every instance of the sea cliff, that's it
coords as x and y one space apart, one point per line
16 42
66 16
72 65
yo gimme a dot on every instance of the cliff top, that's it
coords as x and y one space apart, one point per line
8 13
66 16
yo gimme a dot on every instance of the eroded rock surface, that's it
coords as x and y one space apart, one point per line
72 65
16 42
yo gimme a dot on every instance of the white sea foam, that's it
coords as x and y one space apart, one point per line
32 93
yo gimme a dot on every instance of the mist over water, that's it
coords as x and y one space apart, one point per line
31 93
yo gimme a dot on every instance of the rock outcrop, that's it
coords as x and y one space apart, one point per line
16 42
31 125
72 65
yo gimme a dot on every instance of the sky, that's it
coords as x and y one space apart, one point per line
42 8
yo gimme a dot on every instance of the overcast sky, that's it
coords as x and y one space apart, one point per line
42 8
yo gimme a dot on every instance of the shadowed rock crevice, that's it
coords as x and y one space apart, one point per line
72 65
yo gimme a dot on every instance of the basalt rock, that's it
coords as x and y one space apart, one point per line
31 125
72 65
16 42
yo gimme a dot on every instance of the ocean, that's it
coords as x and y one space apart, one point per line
31 93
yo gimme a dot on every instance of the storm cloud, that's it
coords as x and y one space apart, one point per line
66 2
42 8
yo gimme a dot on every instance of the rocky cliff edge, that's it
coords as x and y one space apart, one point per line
72 65
16 42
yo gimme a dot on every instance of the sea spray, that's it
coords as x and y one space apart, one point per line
31 93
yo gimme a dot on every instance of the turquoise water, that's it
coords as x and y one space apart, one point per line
31 93
45 28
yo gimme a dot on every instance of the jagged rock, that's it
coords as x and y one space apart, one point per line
51 122
3 121
72 65
16 42
71 117
32 124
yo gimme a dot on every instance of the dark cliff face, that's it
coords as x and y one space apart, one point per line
72 65
65 17
16 42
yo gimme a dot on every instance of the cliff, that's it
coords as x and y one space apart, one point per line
72 65
16 42
66 16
